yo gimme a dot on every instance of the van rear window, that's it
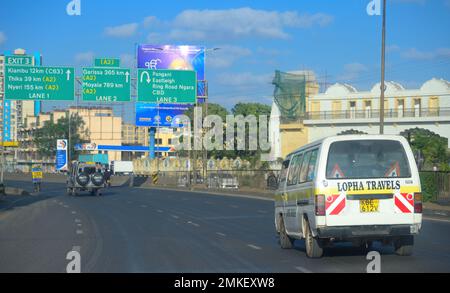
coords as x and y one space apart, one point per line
367 159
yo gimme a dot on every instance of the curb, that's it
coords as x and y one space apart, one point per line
242 195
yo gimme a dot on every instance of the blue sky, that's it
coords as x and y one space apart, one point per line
335 39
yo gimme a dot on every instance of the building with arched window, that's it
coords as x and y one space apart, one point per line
342 108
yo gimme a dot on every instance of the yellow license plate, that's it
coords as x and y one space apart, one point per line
369 205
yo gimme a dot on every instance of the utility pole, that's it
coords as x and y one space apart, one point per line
382 86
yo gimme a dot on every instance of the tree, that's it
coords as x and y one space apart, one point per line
351 131
46 136
246 109
432 146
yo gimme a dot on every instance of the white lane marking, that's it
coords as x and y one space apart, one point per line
221 234
435 219
66 206
193 224
143 206
254 246
175 216
303 270
79 224
79 231
159 211
77 221
74 212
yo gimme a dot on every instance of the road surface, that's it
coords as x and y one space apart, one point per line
143 230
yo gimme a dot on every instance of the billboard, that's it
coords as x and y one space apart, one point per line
174 57
91 146
159 115
61 154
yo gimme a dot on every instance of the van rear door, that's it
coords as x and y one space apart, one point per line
370 183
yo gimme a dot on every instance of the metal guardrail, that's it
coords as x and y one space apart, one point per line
436 185
219 179
374 113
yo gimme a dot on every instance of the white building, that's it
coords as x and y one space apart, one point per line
343 108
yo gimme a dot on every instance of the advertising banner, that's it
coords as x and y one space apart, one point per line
159 115
61 154
176 58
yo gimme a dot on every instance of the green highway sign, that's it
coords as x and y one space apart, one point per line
19 60
107 62
39 83
106 84
166 86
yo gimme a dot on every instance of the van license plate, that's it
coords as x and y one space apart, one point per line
369 205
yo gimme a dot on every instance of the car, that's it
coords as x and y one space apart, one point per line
85 176
223 181
350 188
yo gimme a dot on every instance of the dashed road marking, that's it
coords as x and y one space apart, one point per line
254 246
193 224
79 231
66 206
143 206
73 212
159 211
79 224
303 270
77 221
221 234
175 216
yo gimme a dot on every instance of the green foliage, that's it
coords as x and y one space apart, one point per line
432 146
244 109
429 186
46 136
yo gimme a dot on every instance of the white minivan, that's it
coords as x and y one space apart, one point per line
357 188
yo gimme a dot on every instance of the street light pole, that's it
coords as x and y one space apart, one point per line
382 86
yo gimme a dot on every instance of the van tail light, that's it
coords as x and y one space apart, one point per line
320 205
418 203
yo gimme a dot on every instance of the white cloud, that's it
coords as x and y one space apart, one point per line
122 31
2 37
127 61
392 48
85 57
151 21
415 54
226 56
195 25
352 71
245 79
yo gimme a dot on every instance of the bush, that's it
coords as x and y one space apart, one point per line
429 186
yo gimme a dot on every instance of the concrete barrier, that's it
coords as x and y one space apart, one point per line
14 191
